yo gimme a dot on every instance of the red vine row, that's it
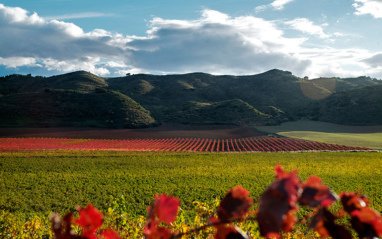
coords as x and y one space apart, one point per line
262 144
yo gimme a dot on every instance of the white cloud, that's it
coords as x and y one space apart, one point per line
372 7
13 62
276 5
307 26
214 43
279 4
340 63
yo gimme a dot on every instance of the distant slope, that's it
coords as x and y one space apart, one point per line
361 106
230 112
80 80
275 88
73 108
275 93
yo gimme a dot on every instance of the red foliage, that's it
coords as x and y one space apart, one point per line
227 230
110 234
235 204
278 204
315 193
364 220
90 220
264 144
324 223
164 209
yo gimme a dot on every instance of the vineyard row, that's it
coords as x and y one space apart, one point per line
262 144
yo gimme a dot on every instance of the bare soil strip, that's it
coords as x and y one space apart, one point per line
160 132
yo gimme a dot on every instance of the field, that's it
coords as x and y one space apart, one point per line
359 136
42 175
258 144
41 181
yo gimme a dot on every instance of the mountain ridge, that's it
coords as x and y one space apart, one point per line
268 98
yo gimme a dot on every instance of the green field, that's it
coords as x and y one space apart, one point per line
59 180
360 136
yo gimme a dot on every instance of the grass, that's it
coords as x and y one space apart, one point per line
42 181
360 136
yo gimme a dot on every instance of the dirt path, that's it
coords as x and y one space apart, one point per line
163 131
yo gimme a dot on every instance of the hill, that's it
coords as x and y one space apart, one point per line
54 108
362 106
226 112
196 98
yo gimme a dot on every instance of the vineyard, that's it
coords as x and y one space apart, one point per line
254 144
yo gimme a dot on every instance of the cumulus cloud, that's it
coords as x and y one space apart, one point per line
276 5
372 7
30 40
307 26
14 62
329 62
214 43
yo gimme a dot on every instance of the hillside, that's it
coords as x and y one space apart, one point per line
226 112
362 106
144 100
73 108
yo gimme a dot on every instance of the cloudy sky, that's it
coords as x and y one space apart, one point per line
315 38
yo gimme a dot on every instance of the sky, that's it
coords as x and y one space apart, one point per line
314 38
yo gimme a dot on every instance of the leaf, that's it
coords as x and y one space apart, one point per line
227 230
110 234
235 204
351 201
278 203
90 220
366 222
152 231
324 223
315 193
166 208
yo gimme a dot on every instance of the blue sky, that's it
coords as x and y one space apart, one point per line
315 38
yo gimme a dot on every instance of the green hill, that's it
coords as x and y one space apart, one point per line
236 112
269 98
73 108
362 106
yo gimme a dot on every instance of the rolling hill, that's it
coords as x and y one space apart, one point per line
143 100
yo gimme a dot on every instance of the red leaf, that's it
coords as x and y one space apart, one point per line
227 230
152 231
235 204
166 208
315 193
366 222
278 203
351 201
90 220
110 234
324 223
